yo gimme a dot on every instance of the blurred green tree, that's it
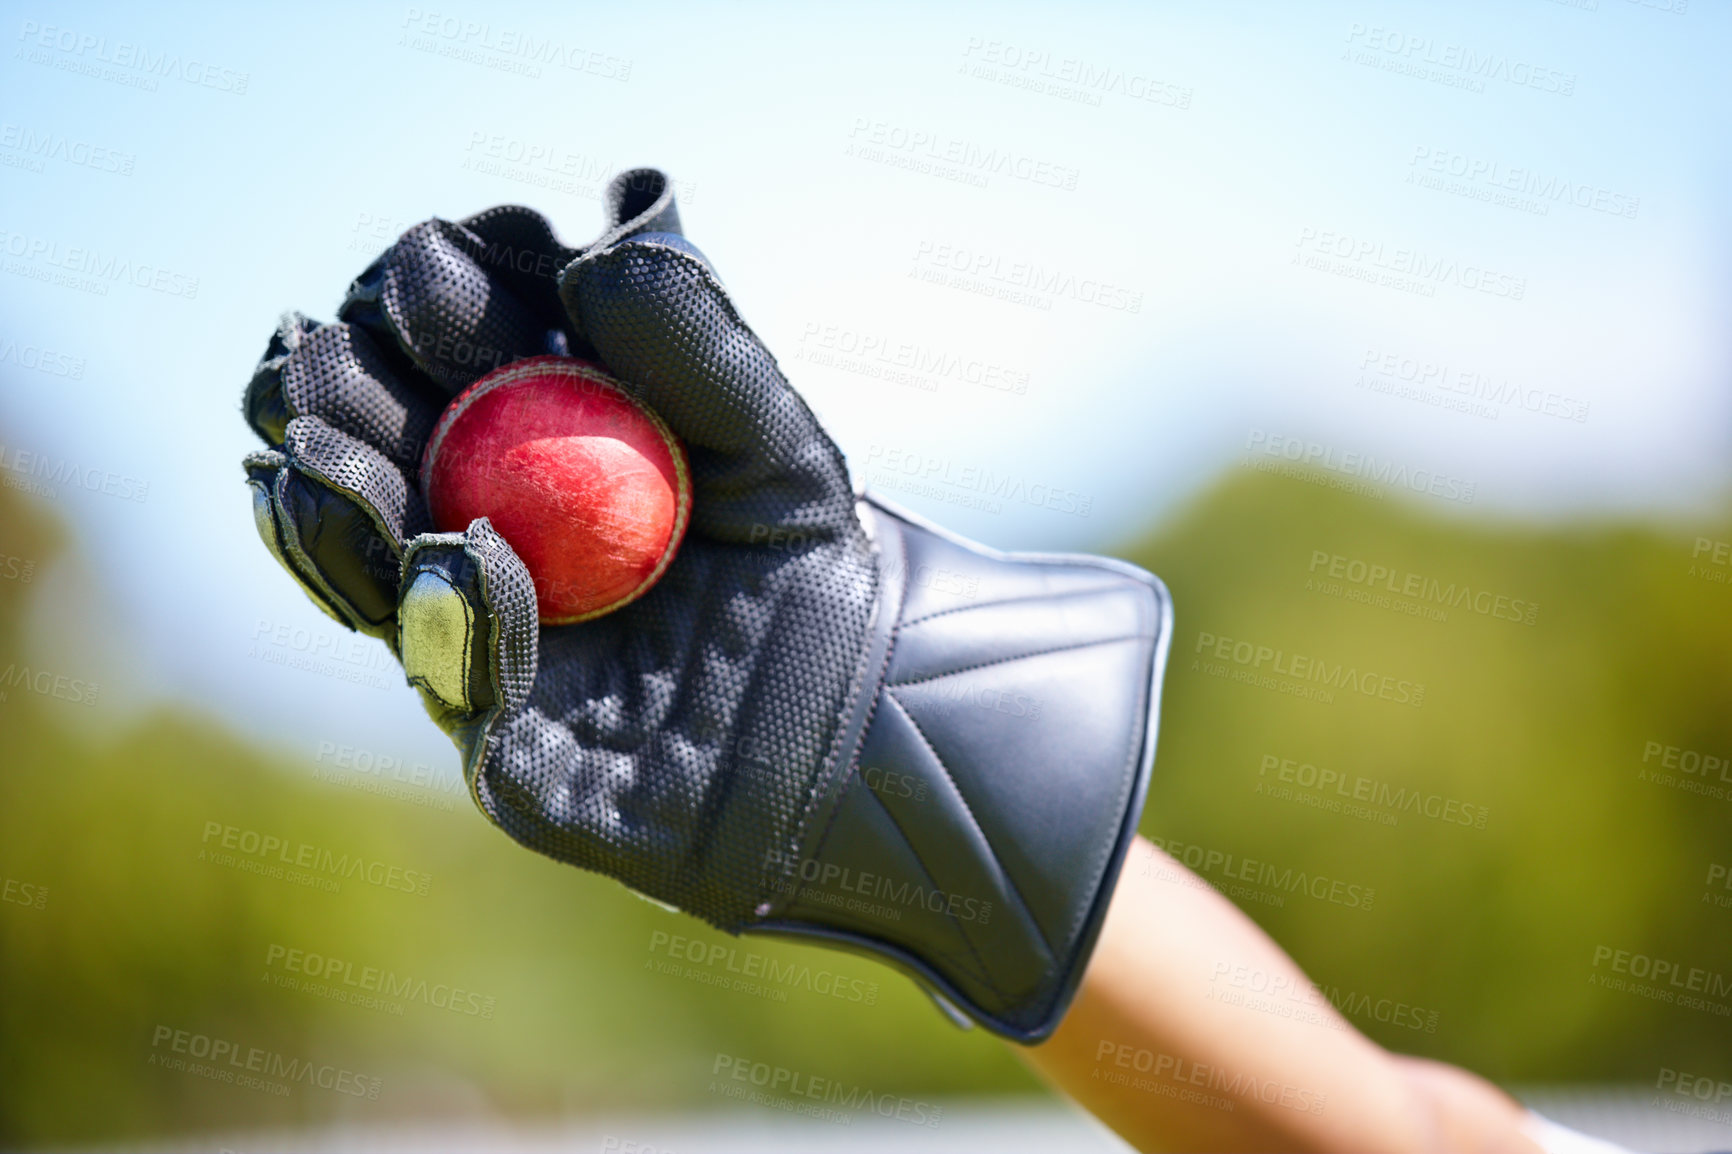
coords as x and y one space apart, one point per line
1474 851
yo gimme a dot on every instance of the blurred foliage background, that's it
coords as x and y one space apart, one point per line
1493 930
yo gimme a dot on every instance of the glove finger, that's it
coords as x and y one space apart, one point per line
520 251
431 300
336 513
267 470
337 374
468 629
661 321
638 200
262 403
523 252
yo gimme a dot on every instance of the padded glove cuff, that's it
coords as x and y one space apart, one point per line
1006 733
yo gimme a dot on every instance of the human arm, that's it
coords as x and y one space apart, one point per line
1151 1048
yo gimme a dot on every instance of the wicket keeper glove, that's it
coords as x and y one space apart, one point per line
829 720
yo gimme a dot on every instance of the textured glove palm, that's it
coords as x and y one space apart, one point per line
826 719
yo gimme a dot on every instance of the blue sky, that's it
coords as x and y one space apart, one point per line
1094 253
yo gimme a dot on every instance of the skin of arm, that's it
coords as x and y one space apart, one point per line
1150 1051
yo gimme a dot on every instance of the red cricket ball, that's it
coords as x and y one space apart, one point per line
587 485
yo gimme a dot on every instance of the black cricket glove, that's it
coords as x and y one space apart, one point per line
829 720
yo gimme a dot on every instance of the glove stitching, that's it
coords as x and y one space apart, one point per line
1008 880
519 681
1017 657
982 974
498 712
821 787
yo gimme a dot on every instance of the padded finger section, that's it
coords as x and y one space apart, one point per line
509 595
358 470
443 651
334 544
345 511
263 470
433 296
336 373
663 323
263 404
468 622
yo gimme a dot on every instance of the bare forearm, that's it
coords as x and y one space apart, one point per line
1153 1051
